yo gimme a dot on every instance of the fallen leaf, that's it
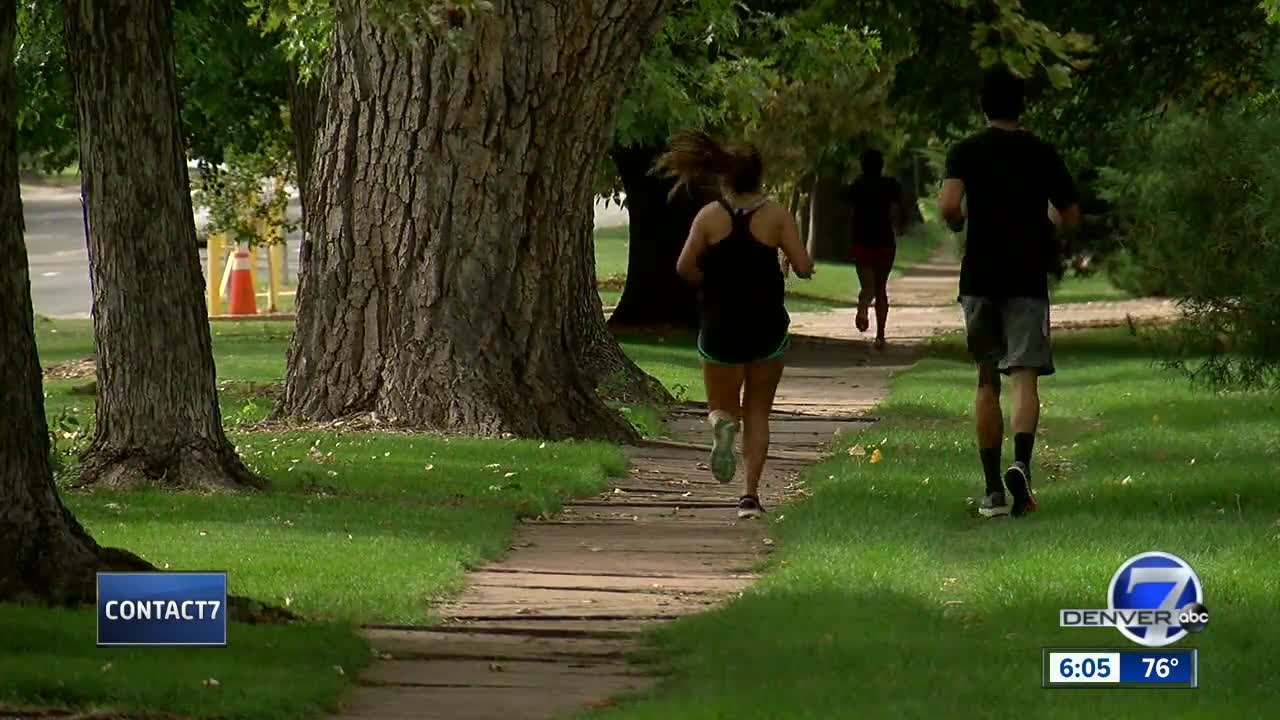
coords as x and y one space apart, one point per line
857 451
768 541
106 667
1127 480
876 456
495 667
429 468
510 474
211 683
338 669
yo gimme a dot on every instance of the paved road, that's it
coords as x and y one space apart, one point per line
60 264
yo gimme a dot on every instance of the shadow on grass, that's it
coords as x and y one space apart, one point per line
818 649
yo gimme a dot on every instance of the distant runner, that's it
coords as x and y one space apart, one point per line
732 255
878 219
1007 176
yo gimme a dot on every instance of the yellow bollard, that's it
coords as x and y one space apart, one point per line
213 275
253 267
275 279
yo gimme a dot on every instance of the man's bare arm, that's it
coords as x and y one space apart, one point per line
950 203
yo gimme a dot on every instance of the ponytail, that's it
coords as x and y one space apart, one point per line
694 158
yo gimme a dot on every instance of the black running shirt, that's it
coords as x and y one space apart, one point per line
1010 177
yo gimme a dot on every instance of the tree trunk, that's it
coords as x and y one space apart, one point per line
446 285
609 370
304 109
157 406
828 222
47 557
655 295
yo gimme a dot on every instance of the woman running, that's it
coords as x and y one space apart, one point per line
877 222
731 254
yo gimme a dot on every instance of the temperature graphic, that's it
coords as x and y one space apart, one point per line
1161 666
1110 667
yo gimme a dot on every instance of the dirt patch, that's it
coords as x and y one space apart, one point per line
71 370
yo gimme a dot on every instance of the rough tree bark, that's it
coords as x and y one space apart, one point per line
304 109
828 222
157 409
447 284
654 295
47 557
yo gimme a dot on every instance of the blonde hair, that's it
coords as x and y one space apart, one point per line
695 158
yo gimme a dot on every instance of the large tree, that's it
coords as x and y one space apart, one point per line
450 279
157 408
48 557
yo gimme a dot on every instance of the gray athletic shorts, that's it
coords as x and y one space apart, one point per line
1010 332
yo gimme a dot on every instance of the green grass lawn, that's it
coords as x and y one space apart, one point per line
889 599
1096 287
358 528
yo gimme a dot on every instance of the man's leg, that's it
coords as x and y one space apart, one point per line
1030 356
990 431
985 339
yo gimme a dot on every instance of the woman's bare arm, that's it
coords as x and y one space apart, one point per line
797 254
694 246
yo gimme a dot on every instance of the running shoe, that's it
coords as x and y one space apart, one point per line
993 505
1018 480
724 462
749 507
861 320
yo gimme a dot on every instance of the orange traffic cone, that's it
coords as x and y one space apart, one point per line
242 300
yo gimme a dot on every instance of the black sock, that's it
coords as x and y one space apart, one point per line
1022 444
991 469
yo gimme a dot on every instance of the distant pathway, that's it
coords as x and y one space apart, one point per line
923 305
544 631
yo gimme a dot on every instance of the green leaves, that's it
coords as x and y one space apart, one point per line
302 26
795 84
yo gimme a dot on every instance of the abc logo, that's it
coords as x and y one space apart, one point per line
1194 617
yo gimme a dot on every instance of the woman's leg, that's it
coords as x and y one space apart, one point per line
883 269
866 293
724 400
757 402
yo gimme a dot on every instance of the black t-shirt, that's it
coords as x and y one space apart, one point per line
1010 177
871 200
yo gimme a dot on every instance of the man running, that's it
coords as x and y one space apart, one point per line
731 253
1006 176
878 218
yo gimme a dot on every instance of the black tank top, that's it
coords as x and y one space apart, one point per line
742 283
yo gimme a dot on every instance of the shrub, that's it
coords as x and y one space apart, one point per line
1195 202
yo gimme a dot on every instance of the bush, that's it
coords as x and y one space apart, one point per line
1195 197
